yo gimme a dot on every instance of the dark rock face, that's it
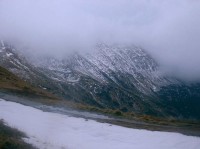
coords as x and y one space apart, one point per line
181 100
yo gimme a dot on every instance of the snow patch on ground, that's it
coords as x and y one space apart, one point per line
57 131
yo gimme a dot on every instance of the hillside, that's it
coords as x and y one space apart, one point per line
111 77
12 84
15 86
11 138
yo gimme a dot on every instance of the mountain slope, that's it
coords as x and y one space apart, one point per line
181 100
16 63
116 77
12 84
108 77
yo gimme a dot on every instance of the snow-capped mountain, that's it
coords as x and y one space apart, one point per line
15 61
110 64
11 60
114 77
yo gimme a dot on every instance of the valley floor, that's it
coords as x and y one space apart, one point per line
54 131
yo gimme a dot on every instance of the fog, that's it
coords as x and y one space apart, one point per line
168 29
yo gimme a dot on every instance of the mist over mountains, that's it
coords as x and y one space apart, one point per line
67 65
130 55
168 30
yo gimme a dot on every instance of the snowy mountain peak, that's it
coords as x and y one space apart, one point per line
109 63
116 77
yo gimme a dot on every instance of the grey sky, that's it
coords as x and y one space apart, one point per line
169 29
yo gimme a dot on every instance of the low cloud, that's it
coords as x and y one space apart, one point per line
168 29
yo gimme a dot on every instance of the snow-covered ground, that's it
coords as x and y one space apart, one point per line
48 130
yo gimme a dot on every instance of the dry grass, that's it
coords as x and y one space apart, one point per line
12 83
11 138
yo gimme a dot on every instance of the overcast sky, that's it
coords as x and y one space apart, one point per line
168 29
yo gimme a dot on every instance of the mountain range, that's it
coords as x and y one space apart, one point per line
126 78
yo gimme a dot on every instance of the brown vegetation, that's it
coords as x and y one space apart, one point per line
11 138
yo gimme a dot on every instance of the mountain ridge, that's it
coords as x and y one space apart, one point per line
124 78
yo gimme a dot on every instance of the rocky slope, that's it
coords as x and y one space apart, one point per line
113 77
13 85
